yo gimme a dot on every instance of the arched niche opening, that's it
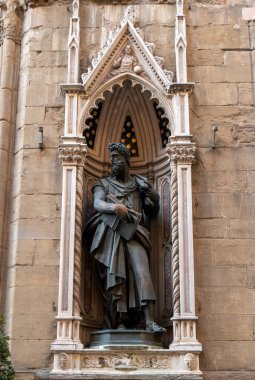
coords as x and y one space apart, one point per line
130 109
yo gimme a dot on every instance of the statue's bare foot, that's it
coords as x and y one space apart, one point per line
153 326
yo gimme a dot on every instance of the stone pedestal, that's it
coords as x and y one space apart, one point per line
122 338
126 363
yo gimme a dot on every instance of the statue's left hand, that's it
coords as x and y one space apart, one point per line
148 202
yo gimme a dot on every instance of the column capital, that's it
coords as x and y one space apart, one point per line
10 26
181 150
73 151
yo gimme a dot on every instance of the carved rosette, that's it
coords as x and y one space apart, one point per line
182 153
73 154
190 361
63 361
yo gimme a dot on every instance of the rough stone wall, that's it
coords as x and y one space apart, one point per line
221 63
36 193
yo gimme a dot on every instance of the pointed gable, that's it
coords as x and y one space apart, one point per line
125 52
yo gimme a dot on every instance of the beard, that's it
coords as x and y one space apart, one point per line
118 167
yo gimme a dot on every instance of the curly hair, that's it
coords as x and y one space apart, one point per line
122 149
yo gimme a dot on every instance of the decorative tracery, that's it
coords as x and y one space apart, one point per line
128 137
163 124
91 124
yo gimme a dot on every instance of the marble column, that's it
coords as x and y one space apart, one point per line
10 55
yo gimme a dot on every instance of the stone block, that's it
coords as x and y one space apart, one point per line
24 375
45 169
240 228
227 300
244 134
151 14
227 37
38 40
16 174
60 39
221 276
41 95
224 355
232 251
245 94
34 115
237 58
221 181
208 206
92 16
225 327
28 327
205 57
213 14
37 252
36 276
38 229
55 115
32 353
44 17
39 206
233 206
221 74
213 111
4 135
251 181
251 277
31 135
228 375
8 73
48 75
4 163
215 94
231 159
6 97
211 228
35 300
202 252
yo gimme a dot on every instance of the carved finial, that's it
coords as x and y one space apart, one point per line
131 14
179 5
76 8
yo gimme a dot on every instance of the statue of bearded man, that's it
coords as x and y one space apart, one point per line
120 242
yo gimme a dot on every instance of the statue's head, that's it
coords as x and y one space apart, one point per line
120 157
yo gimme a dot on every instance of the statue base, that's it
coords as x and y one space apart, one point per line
127 355
131 339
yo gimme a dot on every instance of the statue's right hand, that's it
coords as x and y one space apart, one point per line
121 210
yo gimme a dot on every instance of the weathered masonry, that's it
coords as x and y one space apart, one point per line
174 81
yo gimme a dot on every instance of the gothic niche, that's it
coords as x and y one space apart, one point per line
129 116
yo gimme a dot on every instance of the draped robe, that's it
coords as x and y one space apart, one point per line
128 278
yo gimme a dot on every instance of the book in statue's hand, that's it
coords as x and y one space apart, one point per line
122 226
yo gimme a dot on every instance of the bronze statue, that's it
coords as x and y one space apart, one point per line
120 243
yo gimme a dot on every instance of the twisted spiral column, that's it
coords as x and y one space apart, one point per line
78 239
175 239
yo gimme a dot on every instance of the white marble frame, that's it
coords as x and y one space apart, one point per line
73 153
